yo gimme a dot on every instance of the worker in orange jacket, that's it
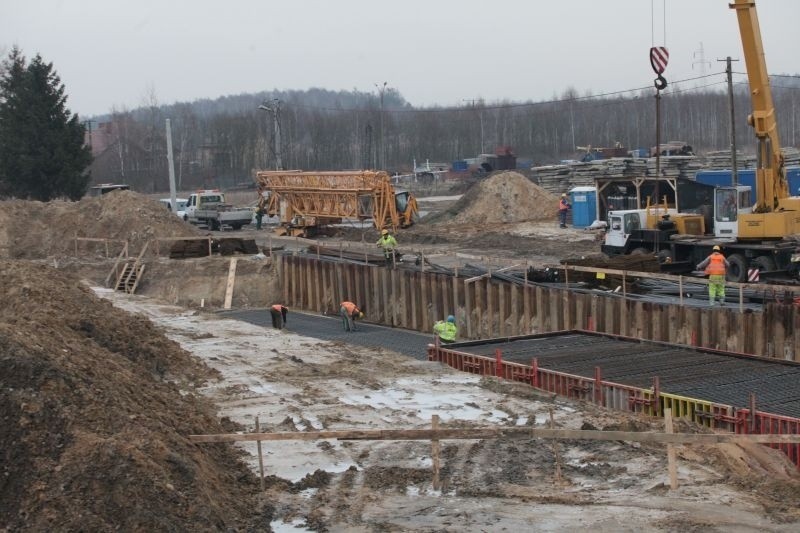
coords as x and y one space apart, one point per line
278 313
563 207
715 265
349 313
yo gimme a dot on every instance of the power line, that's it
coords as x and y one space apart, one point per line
508 105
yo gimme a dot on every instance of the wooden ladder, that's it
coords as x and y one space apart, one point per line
131 273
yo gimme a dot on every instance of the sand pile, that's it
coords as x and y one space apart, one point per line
502 198
35 230
97 404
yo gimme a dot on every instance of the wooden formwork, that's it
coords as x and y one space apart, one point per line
490 308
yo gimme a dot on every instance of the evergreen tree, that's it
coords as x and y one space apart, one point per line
42 152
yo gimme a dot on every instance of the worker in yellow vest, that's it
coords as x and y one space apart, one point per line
715 265
446 330
388 244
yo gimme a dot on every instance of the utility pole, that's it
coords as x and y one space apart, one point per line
275 109
382 151
734 166
473 105
173 201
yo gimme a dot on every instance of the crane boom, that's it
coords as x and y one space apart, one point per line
771 185
306 201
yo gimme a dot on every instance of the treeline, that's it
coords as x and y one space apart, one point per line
222 142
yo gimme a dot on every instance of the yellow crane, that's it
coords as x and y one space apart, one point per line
775 214
307 201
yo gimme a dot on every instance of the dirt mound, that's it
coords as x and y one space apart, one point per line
35 230
97 405
502 198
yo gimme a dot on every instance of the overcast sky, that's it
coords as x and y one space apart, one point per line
111 53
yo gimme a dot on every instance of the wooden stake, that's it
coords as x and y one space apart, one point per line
556 452
260 458
672 468
435 449
229 287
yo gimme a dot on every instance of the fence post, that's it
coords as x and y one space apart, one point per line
535 372
260 458
498 363
598 386
435 448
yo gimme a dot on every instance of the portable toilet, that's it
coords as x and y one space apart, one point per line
584 206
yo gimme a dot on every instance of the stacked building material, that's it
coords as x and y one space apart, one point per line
721 160
559 178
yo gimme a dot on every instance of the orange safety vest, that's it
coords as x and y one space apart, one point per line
716 265
350 307
563 205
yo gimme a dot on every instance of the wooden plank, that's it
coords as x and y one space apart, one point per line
655 321
383 275
413 291
556 316
539 311
284 275
491 312
260 458
394 297
229 286
480 293
566 309
309 265
515 329
324 288
424 301
672 466
435 298
501 309
456 303
340 284
435 449
469 306
502 432
404 308
526 308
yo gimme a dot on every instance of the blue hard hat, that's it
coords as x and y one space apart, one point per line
451 318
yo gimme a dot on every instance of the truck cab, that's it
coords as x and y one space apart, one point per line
638 230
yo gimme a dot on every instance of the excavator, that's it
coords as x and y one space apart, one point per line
758 236
306 202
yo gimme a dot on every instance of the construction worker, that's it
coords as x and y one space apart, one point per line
349 313
715 265
563 207
388 243
259 216
278 313
446 330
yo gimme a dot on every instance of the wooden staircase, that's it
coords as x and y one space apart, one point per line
128 271
129 277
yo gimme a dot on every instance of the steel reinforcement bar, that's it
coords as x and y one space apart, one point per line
617 396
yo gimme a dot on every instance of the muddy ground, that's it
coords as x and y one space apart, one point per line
99 393
295 383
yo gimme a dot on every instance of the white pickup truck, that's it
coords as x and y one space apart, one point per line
209 208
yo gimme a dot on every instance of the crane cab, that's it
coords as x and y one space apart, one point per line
729 204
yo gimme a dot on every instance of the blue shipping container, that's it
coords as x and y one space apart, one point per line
747 177
460 165
584 206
